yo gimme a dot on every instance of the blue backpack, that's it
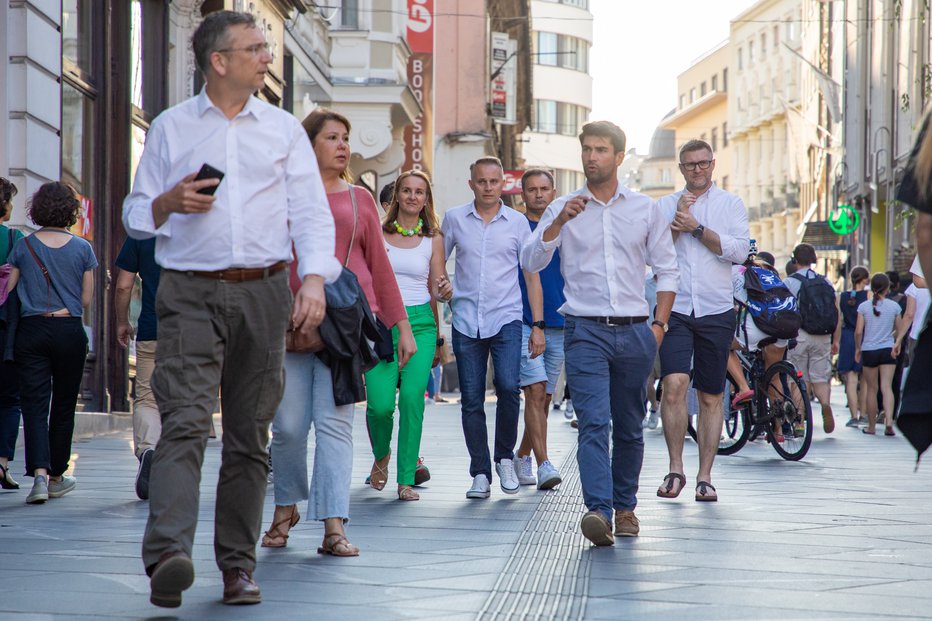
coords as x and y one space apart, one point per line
770 303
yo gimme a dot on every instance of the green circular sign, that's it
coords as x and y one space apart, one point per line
844 220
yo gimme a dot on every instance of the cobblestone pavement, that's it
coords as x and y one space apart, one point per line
845 534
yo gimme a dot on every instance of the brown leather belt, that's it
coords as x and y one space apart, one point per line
241 274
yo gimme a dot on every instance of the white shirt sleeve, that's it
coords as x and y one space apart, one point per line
536 253
149 183
661 254
310 221
736 239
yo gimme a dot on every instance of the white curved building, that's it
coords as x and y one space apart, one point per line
562 36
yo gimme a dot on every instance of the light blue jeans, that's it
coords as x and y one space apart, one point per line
309 399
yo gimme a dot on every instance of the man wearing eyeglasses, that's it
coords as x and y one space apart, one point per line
223 300
710 233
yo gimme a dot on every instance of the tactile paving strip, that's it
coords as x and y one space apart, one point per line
547 574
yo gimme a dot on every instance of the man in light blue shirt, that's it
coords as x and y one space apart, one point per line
488 236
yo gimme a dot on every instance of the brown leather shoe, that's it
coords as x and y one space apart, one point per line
596 529
239 587
626 524
172 574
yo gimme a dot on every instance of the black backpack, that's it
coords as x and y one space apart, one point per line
817 304
770 303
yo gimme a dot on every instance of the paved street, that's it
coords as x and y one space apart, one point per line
845 534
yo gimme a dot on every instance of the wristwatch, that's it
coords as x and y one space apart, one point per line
440 342
663 326
539 324
698 231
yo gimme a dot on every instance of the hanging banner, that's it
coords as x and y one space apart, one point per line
419 135
502 74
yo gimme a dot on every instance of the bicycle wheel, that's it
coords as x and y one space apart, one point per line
736 424
789 411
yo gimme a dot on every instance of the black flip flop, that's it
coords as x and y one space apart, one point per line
666 491
702 492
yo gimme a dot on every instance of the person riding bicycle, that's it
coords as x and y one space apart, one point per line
748 335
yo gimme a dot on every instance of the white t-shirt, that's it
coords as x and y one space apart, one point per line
916 268
878 330
922 298
412 268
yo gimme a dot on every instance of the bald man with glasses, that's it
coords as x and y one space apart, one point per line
710 233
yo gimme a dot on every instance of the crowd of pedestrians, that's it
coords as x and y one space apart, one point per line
602 283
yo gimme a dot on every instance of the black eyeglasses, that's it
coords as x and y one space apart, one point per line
702 165
255 50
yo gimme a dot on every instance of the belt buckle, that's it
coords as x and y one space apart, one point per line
606 320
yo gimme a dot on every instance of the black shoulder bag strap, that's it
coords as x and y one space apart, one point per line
49 283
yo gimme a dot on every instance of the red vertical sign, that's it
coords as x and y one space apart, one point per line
419 135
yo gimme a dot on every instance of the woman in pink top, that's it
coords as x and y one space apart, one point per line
308 394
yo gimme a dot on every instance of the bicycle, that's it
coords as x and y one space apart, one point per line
783 408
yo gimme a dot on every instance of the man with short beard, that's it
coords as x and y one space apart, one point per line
607 235
710 232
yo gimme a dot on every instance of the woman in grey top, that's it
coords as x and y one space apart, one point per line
876 347
53 275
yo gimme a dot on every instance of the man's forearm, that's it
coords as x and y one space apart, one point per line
924 243
121 304
664 305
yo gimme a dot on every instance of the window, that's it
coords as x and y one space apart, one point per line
77 33
763 44
349 14
725 183
776 36
545 117
724 134
725 80
702 89
682 101
692 95
567 180
148 50
714 82
740 59
714 141
547 49
750 53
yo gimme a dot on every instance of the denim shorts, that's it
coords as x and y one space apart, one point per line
547 366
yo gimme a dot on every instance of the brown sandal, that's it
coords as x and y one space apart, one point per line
275 537
378 476
406 492
667 489
336 544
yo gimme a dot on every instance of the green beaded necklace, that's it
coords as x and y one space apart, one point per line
409 232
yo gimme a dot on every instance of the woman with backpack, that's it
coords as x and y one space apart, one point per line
876 348
848 369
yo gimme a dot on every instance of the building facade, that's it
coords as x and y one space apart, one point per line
702 110
763 120
562 37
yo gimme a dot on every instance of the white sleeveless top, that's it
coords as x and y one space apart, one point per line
412 269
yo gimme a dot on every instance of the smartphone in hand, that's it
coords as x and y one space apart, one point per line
209 172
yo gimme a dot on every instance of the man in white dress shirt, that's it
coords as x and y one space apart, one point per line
607 235
223 302
710 233
487 236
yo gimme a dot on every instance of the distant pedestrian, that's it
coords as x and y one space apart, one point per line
848 368
790 268
539 374
223 302
820 335
710 232
897 294
53 273
487 236
415 249
138 257
877 342
608 235
917 306
10 411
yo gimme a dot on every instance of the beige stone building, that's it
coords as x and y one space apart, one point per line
702 111
763 121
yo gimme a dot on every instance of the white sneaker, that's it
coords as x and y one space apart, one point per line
652 419
569 406
481 488
568 410
524 470
548 476
506 476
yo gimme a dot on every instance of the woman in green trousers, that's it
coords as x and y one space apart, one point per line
415 249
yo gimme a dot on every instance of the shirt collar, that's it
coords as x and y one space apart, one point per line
204 104
502 211
713 189
621 191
